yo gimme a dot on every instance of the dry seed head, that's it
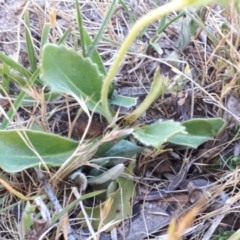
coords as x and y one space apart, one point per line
53 14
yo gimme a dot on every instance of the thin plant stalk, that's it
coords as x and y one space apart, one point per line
80 27
64 36
29 43
5 77
158 88
139 25
103 27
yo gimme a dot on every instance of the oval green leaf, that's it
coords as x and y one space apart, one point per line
199 131
68 72
23 149
158 133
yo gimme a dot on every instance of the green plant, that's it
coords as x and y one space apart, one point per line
223 235
229 162
84 77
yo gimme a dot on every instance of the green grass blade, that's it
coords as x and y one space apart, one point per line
16 66
16 78
5 77
64 36
19 100
9 207
80 27
96 58
162 28
74 203
114 43
12 77
163 25
45 35
198 20
103 27
131 16
29 43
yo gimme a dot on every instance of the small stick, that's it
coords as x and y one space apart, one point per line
52 197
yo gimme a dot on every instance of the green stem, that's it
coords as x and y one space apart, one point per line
80 27
158 88
139 25
103 27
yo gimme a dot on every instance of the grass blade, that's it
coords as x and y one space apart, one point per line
16 66
80 27
131 15
17 79
64 36
18 101
5 77
103 27
45 34
96 58
74 203
29 43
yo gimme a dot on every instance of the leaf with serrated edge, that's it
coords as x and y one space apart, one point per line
158 133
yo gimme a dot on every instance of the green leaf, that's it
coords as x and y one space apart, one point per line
235 236
190 28
199 131
158 133
67 72
96 58
122 205
184 36
205 127
123 101
27 216
156 47
158 87
20 149
79 179
104 147
123 148
163 25
108 175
